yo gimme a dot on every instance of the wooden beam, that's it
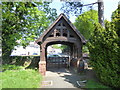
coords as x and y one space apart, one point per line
68 34
55 33
61 30
59 27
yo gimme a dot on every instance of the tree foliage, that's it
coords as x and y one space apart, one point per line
62 47
104 50
85 23
23 21
116 20
75 8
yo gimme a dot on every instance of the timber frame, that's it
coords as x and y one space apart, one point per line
62 31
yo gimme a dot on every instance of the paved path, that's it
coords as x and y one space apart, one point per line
60 78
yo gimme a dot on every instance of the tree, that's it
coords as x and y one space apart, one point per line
116 20
101 12
104 47
23 21
62 47
85 23
76 9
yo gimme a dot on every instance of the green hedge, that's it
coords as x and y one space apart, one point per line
105 54
26 61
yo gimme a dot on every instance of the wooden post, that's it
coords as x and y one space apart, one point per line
80 65
42 62
74 51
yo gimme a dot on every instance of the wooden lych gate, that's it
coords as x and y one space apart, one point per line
62 31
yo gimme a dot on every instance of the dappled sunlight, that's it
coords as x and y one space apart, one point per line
66 76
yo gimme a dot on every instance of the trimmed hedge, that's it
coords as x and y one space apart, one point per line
105 54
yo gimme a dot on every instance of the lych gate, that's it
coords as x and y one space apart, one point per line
62 31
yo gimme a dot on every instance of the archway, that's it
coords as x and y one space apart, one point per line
58 56
61 31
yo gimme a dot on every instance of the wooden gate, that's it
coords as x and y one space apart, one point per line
57 62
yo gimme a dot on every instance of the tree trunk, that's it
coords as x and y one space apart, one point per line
101 12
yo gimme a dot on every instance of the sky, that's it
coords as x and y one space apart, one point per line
109 7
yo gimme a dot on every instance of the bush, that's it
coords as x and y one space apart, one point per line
26 61
95 84
11 67
104 54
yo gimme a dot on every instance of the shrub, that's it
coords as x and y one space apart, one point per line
26 61
11 67
104 54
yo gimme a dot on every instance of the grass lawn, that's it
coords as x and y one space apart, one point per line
94 84
28 78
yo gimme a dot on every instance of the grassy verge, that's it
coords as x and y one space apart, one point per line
94 84
28 78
